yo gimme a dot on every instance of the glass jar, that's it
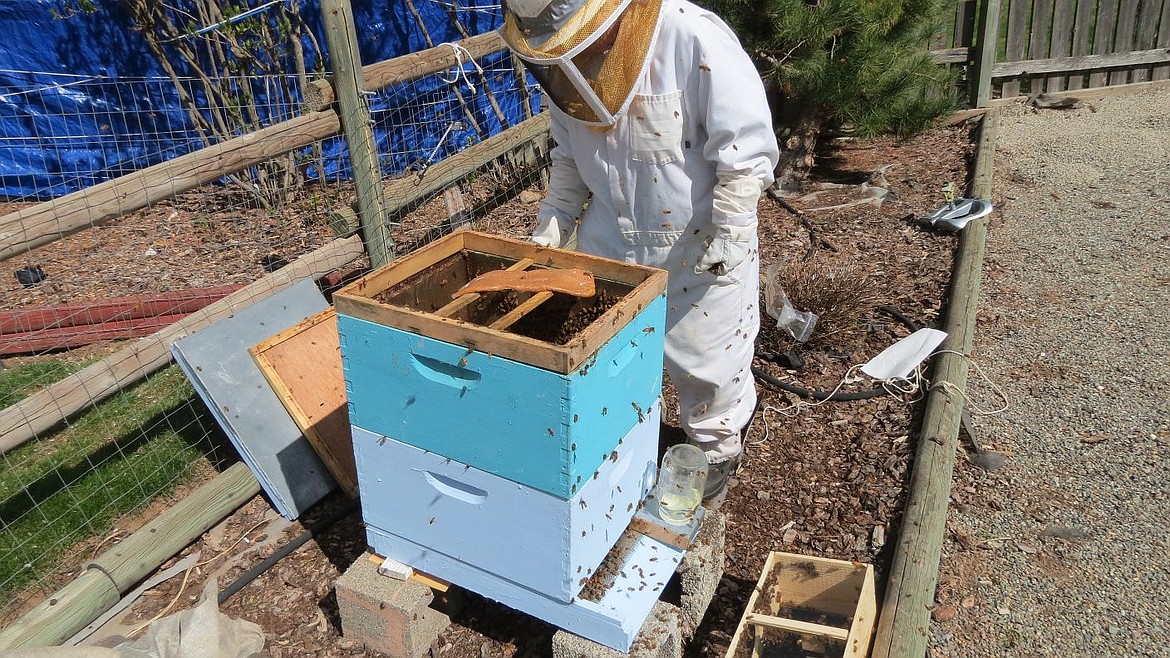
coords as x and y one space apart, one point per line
680 483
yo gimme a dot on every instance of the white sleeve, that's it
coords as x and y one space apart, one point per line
740 139
566 191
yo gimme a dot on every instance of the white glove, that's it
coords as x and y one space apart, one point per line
553 231
725 249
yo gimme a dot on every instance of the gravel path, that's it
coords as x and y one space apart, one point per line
1064 551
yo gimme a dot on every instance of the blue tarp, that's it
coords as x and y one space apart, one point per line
82 99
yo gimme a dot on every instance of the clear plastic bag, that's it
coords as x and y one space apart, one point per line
795 323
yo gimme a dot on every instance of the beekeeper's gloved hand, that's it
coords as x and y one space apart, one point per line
552 231
734 216
726 249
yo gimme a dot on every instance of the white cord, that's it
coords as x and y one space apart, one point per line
897 388
951 388
460 54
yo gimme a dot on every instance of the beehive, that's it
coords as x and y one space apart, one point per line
452 379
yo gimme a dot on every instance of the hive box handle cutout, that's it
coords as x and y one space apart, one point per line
623 358
455 489
445 373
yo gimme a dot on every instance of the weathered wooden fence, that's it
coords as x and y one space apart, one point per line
1026 47
335 106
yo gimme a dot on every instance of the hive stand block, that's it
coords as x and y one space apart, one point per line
661 637
400 618
701 570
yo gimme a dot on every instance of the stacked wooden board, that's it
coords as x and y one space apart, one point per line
216 361
33 330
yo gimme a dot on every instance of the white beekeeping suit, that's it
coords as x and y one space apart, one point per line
661 124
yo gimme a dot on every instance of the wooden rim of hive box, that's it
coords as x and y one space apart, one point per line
647 284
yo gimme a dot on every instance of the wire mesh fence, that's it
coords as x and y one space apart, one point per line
150 226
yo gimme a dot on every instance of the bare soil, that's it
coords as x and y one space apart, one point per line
826 480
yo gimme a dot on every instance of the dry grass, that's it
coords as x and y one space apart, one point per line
841 295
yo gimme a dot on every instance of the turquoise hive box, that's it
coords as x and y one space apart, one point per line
535 389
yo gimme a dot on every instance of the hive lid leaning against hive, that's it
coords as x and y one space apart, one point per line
420 285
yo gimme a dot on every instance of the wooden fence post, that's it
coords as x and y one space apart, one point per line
354 108
988 48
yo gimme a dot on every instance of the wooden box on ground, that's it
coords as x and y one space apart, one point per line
808 606
541 401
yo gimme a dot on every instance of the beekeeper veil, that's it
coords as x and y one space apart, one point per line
587 55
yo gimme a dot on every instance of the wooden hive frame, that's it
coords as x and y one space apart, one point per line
833 587
358 299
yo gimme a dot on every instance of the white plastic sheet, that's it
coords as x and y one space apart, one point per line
899 360
201 632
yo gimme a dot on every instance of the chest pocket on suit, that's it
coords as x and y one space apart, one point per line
656 128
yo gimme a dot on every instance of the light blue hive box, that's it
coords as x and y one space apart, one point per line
530 411
460 523
526 548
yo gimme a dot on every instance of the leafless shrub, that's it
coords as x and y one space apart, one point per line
840 294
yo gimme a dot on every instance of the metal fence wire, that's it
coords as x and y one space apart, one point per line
127 224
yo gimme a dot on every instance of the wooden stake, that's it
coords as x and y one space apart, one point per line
988 44
119 569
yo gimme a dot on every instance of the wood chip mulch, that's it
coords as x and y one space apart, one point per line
826 480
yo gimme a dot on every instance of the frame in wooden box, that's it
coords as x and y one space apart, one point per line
359 299
815 586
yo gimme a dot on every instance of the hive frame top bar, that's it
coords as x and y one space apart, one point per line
358 300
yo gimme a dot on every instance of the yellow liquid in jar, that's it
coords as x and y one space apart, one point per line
678 508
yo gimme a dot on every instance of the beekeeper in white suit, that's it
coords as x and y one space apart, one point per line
661 124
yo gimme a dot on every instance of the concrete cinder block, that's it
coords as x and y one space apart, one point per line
701 570
660 637
396 617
